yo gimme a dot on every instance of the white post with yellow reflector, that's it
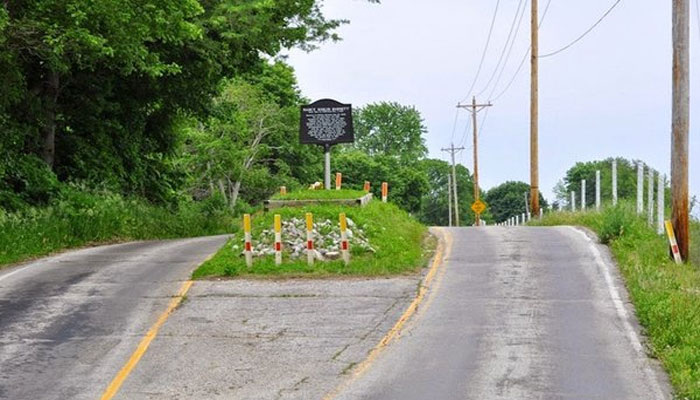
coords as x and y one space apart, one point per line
344 244
248 241
310 256
278 239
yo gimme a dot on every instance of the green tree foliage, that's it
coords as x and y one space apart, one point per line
434 207
407 185
98 89
508 200
626 181
390 129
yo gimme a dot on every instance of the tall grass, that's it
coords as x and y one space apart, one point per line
80 218
666 296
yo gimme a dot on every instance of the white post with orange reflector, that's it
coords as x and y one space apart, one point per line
283 190
366 187
674 244
248 241
385 191
278 239
344 245
310 239
338 181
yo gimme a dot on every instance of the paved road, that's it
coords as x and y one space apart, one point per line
518 313
68 323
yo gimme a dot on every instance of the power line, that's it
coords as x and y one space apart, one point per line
510 50
527 53
454 127
505 47
584 33
483 54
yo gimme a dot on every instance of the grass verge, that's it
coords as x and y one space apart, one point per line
83 218
397 238
666 296
320 195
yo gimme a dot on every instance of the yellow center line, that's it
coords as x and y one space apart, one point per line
121 376
443 248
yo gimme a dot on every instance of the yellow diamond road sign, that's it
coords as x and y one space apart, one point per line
478 207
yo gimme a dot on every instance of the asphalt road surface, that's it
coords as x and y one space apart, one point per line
68 323
518 313
512 313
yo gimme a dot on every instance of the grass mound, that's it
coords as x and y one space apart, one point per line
395 236
320 195
666 296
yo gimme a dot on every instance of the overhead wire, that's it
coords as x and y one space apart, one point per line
483 54
510 51
589 30
527 53
505 47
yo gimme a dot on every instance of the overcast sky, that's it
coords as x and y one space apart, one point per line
609 95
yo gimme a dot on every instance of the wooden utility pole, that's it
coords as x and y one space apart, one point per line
534 112
680 125
474 109
449 198
453 150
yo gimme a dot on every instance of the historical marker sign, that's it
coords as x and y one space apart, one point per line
326 122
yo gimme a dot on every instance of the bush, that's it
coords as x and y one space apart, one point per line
79 217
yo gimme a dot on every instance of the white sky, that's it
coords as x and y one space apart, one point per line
609 95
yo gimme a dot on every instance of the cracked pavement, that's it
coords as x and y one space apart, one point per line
244 339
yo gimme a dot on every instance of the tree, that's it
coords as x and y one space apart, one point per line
98 89
390 129
434 207
508 200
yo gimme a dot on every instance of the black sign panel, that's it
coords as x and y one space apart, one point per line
326 122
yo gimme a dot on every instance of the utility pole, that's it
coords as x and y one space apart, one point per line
449 197
534 112
474 109
453 150
680 125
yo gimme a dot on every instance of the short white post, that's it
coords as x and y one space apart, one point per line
583 195
338 180
650 198
522 218
385 191
597 190
614 182
283 190
529 217
248 241
517 220
640 188
573 201
278 239
310 256
541 212
661 211
344 245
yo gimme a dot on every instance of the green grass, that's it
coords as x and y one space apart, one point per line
398 239
320 195
82 218
666 296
